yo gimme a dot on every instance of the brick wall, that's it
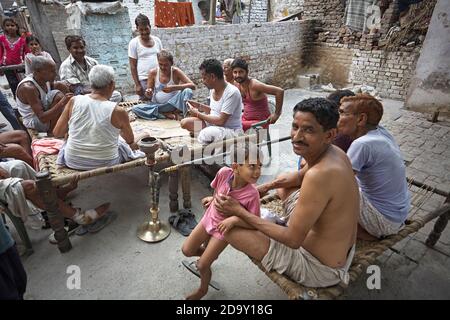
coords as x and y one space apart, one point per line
143 6
282 8
354 59
258 12
273 50
57 17
107 38
389 72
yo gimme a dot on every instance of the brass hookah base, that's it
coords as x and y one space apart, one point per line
153 230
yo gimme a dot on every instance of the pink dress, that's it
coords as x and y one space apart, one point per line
247 196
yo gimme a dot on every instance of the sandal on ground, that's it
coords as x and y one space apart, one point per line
192 267
89 216
102 222
180 224
189 217
71 229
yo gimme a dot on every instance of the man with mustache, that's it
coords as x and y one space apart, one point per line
316 247
75 69
254 96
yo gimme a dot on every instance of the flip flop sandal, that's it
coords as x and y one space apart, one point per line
192 267
71 229
189 217
102 222
179 224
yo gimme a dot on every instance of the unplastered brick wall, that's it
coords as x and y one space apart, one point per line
389 72
107 37
273 50
143 6
330 14
343 64
282 8
57 18
258 11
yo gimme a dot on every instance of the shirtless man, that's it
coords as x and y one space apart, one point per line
254 97
41 101
317 245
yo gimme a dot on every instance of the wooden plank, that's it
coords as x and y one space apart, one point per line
42 30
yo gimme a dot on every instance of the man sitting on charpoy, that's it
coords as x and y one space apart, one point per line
169 88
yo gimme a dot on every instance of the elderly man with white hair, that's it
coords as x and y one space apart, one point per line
94 124
40 99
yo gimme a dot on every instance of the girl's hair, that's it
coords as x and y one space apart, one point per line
32 38
13 21
141 19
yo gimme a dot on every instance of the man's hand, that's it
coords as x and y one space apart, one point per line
206 201
193 111
169 89
134 146
227 224
4 174
138 89
273 118
227 205
149 93
263 189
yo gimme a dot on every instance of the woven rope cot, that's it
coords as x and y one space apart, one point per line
366 252
63 175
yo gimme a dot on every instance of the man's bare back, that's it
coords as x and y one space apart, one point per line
334 232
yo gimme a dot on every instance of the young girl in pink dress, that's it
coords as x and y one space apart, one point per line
13 49
237 182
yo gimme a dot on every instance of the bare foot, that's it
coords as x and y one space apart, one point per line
102 209
90 216
196 295
169 115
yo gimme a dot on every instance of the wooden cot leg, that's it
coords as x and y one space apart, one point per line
439 226
186 186
48 194
173 191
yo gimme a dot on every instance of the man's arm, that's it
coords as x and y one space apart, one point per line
200 106
215 120
307 211
285 181
30 95
184 81
151 83
62 126
134 75
120 120
275 91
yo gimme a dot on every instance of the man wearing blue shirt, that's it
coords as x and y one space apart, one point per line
377 162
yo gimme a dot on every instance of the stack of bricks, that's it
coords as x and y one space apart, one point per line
349 37
330 13
369 41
